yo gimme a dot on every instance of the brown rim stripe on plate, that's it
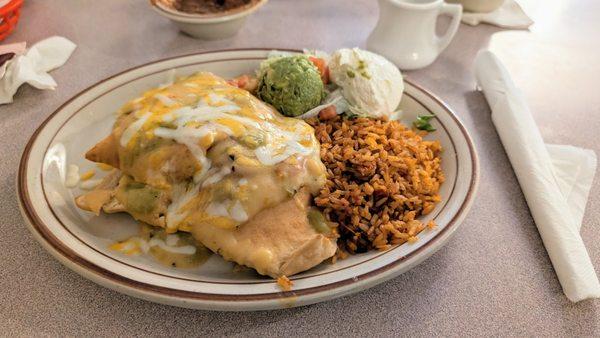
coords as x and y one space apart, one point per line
69 254
222 60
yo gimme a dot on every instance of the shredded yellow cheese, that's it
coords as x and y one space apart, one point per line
104 166
87 175
285 283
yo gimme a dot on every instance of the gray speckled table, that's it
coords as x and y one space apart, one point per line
493 277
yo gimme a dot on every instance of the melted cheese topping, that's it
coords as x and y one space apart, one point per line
72 176
175 250
217 152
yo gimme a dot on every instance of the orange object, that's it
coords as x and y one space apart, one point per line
327 113
322 67
9 16
239 81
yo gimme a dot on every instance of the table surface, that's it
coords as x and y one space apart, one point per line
493 277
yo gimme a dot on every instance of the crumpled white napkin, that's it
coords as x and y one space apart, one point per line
509 15
33 66
16 48
555 179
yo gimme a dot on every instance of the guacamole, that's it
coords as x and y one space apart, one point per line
291 84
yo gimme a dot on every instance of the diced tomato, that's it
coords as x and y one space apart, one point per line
245 82
322 67
239 81
327 113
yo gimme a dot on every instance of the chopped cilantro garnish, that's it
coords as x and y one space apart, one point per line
351 115
361 65
422 123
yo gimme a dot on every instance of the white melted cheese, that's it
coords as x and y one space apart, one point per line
282 144
181 197
72 176
228 208
172 239
90 184
164 99
183 250
214 98
218 209
132 245
133 128
238 213
217 176
189 137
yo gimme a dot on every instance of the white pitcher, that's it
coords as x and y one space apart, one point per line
405 32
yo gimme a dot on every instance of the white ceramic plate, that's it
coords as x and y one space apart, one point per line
80 240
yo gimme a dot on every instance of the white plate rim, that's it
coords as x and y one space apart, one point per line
235 302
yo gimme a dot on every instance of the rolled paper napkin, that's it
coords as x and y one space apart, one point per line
555 179
33 66
509 15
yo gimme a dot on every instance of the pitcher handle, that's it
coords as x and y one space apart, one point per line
455 12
